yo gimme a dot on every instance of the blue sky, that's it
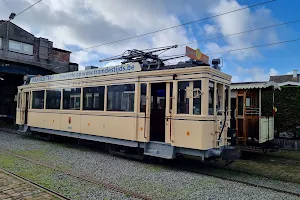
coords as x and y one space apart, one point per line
77 24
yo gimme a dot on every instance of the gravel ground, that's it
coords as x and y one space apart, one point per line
156 181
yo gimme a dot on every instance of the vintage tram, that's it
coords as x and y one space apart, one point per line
159 110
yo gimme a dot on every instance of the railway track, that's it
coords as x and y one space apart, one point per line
80 176
49 191
190 167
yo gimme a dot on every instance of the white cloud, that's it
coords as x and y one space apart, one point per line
85 23
89 23
241 21
210 29
253 74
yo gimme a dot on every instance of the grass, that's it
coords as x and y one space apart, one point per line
268 169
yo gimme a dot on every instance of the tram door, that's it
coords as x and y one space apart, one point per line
158 112
24 106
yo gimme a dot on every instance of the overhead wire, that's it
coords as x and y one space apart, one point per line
22 11
244 48
176 26
219 37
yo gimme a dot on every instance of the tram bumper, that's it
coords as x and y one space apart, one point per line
230 153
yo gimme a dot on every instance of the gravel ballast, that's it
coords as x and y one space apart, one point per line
154 181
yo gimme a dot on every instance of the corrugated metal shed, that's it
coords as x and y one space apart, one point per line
254 85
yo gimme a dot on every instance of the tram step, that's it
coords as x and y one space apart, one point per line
23 128
159 149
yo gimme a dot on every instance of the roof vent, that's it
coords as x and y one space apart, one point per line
215 63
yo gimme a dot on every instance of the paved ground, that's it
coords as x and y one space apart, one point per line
14 188
155 181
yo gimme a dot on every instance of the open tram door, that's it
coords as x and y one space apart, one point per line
24 106
161 111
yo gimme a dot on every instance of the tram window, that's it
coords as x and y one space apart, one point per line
211 97
226 98
143 97
171 96
53 99
120 97
71 98
197 98
38 99
93 98
183 101
220 99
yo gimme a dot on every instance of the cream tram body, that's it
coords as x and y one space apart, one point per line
162 112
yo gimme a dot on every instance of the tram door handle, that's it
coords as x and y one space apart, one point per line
167 120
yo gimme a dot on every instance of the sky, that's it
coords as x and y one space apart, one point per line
79 24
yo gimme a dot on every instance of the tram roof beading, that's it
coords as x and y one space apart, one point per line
124 68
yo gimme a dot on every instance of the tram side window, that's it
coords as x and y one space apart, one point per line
93 98
71 98
53 99
183 101
120 97
38 99
197 98
226 98
211 98
143 97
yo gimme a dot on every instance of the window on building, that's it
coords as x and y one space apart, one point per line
71 98
53 98
120 97
183 101
248 102
197 98
143 97
93 98
14 46
240 105
20 47
38 99
27 49
211 98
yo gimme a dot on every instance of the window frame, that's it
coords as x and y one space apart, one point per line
134 97
92 95
140 98
31 99
60 106
186 98
80 96
22 46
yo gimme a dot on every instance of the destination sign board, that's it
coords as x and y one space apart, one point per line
196 55
102 71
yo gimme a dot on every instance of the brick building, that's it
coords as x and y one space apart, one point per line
22 53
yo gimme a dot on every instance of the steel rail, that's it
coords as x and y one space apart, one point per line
179 167
77 175
49 191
